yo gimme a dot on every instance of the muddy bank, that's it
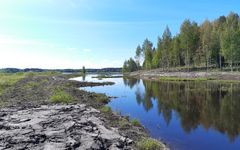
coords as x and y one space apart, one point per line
157 74
30 120
36 90
58 127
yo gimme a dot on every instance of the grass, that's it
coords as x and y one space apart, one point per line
135 122
8 79
44 73
106 109
102 98
123 122
60 96
149 144
31 85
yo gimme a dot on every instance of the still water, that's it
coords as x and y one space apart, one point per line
185 115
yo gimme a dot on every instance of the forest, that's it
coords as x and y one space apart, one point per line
209 45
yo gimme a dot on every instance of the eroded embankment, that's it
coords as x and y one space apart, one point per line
58 127
157 74
30 119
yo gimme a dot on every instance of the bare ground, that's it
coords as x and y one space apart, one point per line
157 73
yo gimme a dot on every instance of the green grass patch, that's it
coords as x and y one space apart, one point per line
123 122
34 84
149 144
135 122
9 79
60 96
31 85
44 73
102 98
106 109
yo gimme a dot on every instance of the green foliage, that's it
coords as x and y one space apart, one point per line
211 44
231 46
106 109
45 73
31 85
156 62
138 55
149 144
123 122
9 79
166 47
60 96
102 98
135 122
83 70
130 66
148 52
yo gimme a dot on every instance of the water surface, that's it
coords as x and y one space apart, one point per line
186 115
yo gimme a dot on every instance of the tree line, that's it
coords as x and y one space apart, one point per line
212 44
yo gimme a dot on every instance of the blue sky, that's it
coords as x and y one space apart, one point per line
95 33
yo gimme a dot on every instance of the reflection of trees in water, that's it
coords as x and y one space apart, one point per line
83 77
131 82
212 105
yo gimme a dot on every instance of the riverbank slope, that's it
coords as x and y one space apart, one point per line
50 112
158 74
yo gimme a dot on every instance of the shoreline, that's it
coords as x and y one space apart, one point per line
38 123
158 75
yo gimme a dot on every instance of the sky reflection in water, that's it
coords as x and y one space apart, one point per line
187 115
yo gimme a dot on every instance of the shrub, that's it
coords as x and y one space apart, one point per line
135 122
102 98
149 144
106 109
123 122
60 96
